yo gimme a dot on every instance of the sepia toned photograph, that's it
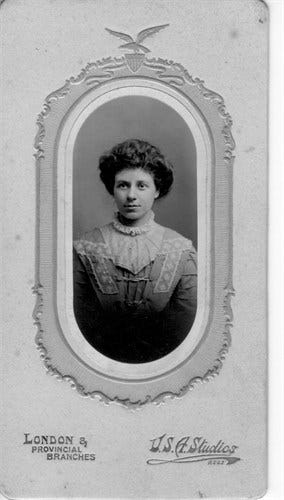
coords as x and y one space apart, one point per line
135 229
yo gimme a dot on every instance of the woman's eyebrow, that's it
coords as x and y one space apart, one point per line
137 181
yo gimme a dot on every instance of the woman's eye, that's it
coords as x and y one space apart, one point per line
121 185
141 185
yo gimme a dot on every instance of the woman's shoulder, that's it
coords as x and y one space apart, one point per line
174 241
91 240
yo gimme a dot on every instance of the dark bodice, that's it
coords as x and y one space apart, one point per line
134 295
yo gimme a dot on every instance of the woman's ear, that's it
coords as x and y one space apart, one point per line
157 194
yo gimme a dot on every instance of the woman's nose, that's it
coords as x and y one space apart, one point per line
131 194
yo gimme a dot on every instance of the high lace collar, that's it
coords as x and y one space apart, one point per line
133 230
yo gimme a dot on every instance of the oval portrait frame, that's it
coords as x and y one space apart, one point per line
65 352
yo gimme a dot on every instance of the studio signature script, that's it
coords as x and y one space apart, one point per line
170 449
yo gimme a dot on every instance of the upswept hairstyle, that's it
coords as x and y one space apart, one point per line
135 153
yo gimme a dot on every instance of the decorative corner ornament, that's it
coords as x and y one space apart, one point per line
64 352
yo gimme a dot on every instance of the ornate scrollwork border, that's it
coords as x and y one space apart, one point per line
93 76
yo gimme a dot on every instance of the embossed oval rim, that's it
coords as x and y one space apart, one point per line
65 352
192 119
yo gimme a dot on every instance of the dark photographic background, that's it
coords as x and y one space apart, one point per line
135 117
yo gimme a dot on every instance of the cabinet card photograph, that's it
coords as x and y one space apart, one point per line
135 257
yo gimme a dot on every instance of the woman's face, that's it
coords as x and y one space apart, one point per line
134 193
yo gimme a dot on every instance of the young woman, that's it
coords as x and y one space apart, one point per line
135 281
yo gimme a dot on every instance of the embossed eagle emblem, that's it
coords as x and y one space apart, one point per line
136 44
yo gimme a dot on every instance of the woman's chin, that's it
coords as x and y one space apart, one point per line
130 218
133 217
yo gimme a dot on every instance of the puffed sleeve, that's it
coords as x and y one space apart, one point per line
80 281
86 305
183 303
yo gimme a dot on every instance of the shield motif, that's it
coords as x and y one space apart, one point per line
134 61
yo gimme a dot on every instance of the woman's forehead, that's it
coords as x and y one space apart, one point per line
133 174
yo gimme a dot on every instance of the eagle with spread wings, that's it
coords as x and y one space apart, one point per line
136 44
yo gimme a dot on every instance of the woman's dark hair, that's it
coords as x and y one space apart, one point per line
135 153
